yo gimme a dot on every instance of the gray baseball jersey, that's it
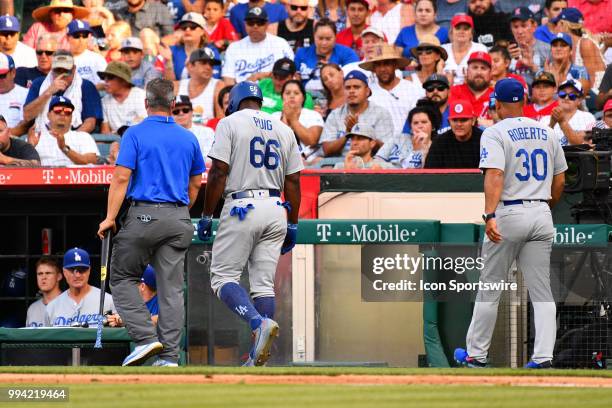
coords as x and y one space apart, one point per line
63 311
528 153
260 149
36 314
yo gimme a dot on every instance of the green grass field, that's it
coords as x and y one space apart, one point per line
294 396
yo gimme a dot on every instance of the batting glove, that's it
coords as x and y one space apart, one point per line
290 238
205 228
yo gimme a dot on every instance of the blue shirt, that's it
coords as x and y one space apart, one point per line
179 56
407 39
276 12
162 156
543 33
176 9
153 306
308 66
444 125
90 98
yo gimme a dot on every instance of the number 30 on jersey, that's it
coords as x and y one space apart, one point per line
534 165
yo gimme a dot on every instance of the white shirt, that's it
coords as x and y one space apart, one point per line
11 105
398 101
244 58
51 155
129 112
88 65
308 118
205 136
24 56
204 103
460 67
390 24
581 121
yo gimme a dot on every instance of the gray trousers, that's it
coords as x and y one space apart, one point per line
159 236
527 235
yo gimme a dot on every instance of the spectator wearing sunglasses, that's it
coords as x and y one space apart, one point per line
543 99
80 303
183 115
12 96
437 91
297 29
253 57
53 20
57 145
88 63
23 55
430 56
357 12
567 120
45 48
275 12
123 104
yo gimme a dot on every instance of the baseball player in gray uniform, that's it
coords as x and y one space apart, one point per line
79 304
524 176
255 157
48 277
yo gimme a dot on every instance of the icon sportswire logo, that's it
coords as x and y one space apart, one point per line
366 233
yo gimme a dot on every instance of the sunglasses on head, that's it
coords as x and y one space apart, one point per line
440 88
572 96
62 110
189 27
258 23
79 269
296 8
47 53
181 110
80 35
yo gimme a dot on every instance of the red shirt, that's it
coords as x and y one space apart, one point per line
531 112
212 123
481 105
223 31
346 38
596 16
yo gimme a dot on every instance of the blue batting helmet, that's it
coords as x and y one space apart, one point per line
243 90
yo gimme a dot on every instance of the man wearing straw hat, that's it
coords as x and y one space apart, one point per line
123 104
53 20
395 94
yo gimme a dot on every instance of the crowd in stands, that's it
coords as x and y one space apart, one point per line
363 83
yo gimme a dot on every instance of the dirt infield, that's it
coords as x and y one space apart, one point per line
476 380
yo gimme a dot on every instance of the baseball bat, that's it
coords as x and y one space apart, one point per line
103 269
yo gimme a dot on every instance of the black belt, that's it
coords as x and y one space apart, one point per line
517 202
251 194
154 204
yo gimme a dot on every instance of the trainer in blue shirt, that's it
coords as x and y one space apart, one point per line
159 169
276 12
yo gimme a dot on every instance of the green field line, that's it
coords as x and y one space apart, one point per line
331 371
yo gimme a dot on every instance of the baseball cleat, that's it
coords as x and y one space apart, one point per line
160 362
542 365
141 353
249 363
462 358
262 343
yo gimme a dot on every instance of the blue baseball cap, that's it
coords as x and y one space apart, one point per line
60 100
354 74
76 257
78 26
6 63
148 277
9 24
509 90
566 38
522 13
571 14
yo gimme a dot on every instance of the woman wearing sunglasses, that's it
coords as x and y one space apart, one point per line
424 27
431 58
567 120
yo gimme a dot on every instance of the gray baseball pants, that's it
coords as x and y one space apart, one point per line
159 236
527 235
